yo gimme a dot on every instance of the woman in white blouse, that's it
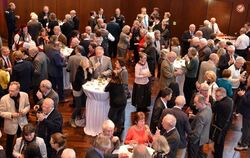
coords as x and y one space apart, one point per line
141 96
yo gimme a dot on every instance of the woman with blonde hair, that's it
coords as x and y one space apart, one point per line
210 79
161 147
123 43
83 74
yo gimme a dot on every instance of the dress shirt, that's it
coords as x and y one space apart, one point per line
242 42
215 28
164 103
235 76
7 60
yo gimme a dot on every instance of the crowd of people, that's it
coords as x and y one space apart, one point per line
195 103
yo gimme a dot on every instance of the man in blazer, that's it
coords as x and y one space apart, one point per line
74 62
171 134
46 91
60 36
168 73
206 30
200 128
102 64
226 60
22 72
187 38
49 122
115 31
13 108
159 106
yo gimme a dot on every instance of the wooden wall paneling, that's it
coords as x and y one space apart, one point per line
163 5
238 19
176 10
221 10
63 7
109 8
3 32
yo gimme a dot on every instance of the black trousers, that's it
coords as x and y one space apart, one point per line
113 49
219 146
9 142
196 151
117 115
11 34
189 87
57 84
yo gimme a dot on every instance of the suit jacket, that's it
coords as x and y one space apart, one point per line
204 53
120 20
22 72
11 19
200 127
123 41
51 26
104 69
223 63
52 124
20 145
173 139
85 44
56 64
76 22
185 44
73 63
7 107
52 95
207 31
34 29
42 19
167 74
223 111
40 65
156 114
206 66
67 28
114 29
92 23
182 125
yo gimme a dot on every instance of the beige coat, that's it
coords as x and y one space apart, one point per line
7 106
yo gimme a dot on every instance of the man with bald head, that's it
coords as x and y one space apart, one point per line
40 65
200 128
75 19
68 153
182 124
171 134
204 50
168 73
187 38
102 64
43 17
214 26
49 122
242 43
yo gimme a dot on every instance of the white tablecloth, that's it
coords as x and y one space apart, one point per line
124 149
180 64
97 106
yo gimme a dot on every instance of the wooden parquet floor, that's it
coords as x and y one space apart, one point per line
80 142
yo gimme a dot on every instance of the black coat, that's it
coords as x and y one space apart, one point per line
42 19
67 29
156 114
173 139
223 63
114 29
117 94
51 26
56 64
76 22
185 44
22 73
80 79
10 19
244 104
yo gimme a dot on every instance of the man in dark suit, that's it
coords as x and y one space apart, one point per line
49 122
101 146
182 125
119 18
187 38
43 17
159 106
171 134
46 91
200 127
204 50
115 31
22 72
157 23
5 56
100 15
92 20
223 110
226 60
75 19
11 19
67 27
206 31
102 64
40 65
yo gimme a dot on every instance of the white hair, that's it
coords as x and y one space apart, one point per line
108 124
